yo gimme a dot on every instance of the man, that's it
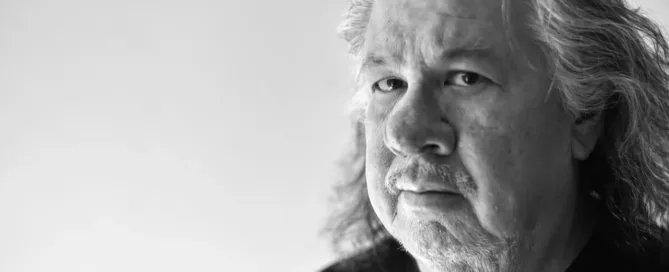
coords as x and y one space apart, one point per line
517 135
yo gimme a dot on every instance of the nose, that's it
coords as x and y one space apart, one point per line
417 126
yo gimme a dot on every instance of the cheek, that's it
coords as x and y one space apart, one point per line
377 163
516 163
491 159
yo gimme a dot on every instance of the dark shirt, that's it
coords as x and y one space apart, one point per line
604 251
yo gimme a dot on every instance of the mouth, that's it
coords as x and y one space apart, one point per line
426 188
432 191
431 201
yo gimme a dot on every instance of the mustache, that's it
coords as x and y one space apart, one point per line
417 169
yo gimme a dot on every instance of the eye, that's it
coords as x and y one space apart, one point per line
466 79
389 84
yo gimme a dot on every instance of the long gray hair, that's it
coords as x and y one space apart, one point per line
604 56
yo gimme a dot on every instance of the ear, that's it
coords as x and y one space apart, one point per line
586 130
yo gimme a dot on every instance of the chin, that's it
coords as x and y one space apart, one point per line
433 245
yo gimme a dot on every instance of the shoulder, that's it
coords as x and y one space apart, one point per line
612 257
387 256
623 249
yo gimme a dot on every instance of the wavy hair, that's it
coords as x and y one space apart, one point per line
604 55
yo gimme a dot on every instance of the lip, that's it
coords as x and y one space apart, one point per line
430 201
425 187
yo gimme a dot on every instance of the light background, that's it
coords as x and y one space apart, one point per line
151 135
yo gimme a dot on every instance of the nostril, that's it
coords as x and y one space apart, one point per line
436 148
432 148
409 139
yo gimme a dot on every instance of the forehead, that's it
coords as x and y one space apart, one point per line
425 29
410 10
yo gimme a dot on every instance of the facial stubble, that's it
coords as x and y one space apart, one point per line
457 243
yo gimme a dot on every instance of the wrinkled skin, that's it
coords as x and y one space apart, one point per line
446 89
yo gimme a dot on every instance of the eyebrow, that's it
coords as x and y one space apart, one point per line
373 60
477 51
484 52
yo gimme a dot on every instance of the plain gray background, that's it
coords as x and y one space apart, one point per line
152 135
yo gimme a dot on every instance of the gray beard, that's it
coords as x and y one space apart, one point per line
495 262
437 250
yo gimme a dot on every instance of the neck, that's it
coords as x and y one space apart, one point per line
565 246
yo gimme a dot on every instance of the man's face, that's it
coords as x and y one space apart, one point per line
468 154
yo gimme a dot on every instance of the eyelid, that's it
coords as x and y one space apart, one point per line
375 86
484 69
374 75
451 74
378 74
